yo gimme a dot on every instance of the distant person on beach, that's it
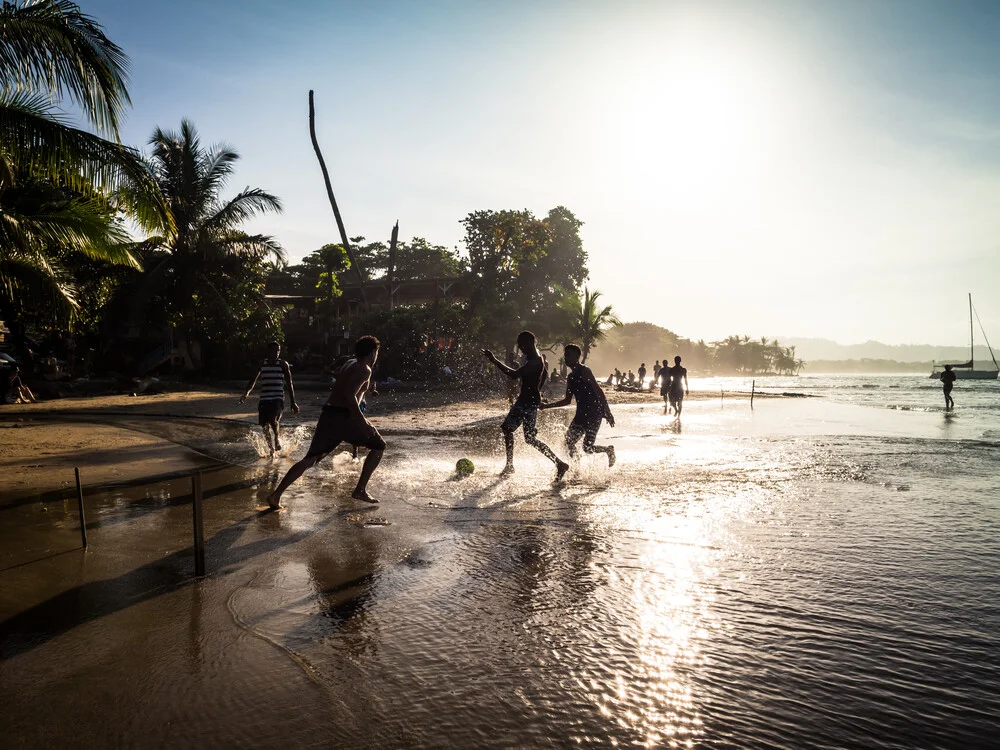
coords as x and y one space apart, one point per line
618 376
631 378
642 374
274 376
656 370
525 409
342 421
677 389
591 407
664 379
948 379
14 391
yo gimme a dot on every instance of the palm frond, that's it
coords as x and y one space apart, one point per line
51 45
35 140
243 207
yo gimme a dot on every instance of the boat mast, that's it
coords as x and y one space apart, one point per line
972 341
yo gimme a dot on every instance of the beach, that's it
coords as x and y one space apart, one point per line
814 572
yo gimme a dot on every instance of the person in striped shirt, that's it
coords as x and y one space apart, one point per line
274 376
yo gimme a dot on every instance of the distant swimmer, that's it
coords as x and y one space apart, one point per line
342 421
524 411
948 379
677 390
591 407
274 376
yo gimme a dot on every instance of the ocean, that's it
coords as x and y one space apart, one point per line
817 572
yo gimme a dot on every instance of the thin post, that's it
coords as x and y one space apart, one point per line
79 503
199 526
333 204
391 275
753 387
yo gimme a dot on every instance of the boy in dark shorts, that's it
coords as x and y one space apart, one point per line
677 389
532 375
274 377
591 407
343 422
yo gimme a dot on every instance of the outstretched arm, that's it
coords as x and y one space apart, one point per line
565 401
250 385
291 390
510 372
607 409
686 389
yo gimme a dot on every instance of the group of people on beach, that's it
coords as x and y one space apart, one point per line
343 418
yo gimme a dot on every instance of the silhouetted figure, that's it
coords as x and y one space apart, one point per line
631 378
274 376
618 376
948 379
664 378
532 375
642 374
656 370
591 407
342 421
14 391
677 389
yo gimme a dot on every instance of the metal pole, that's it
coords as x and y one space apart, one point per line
753 387
199 526
79 502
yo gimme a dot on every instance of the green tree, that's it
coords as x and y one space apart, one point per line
593 321
520 266
206 275
62 189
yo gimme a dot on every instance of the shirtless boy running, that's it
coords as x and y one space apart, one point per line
591 406
343 422
525 409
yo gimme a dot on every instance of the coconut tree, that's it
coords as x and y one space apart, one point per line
196 272
62 188
592 321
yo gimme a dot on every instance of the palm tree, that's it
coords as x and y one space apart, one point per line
60 186
197 269
591 322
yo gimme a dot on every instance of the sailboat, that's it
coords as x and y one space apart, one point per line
967 370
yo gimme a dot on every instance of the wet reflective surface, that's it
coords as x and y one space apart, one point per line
809 575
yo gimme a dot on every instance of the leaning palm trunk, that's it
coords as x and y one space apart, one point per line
333 203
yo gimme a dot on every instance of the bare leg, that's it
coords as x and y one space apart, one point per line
274 499
679 406
277 443
508 444
267 437
538 445
369 466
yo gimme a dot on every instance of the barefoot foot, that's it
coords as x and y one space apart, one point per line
507 470
611 456
363 495
561 468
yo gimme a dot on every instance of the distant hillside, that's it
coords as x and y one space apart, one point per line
811 350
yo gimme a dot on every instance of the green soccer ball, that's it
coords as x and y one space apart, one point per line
464 467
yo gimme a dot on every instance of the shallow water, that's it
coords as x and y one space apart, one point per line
809 574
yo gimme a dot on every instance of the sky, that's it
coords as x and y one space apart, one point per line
772 168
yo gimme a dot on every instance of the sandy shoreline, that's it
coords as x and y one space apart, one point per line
120 439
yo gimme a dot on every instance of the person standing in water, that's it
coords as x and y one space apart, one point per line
342 421
948 379
591 407
677 389
274 376
532 375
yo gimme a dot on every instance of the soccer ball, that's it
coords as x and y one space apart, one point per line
464 467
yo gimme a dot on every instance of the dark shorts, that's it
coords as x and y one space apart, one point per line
522 414
585 427
948 387
335 426
677 395
270 410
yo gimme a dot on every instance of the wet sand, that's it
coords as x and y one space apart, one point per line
676 599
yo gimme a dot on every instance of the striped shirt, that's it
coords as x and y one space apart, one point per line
272 380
